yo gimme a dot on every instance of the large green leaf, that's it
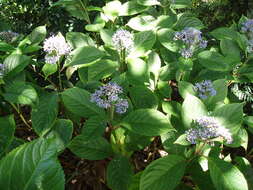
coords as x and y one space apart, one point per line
32 166
131 8
37 35
20 93
216 62
221 93
96 148
93 127
15 63
78 102
164 173
149 2
7 129
142 23
119 173
225 176
165 36
61 133
78 39
49 69
85 55
181 4
45 113
143 41
186 20
137 73
142 97
147 122
192 108
230 116
101 69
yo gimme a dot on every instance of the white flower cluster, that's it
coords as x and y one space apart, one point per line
55 47
123 40
206 128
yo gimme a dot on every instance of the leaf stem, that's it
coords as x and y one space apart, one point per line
21 115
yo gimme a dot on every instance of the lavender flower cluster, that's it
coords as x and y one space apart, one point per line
123 40
8 36
204 89
192 40
109 95
55 47
206 128
247 27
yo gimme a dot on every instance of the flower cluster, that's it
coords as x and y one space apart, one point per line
55 47
206 128
1 70
204 89
8 36
108 95
123 40
247 27
192 40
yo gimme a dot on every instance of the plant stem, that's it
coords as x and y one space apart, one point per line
59 75
122 61
111 112
21 116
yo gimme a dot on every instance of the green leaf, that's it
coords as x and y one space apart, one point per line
185 88
189 21
37 35
143 41
78 102
102 69
112 9
192 108
106 36
93 127
134 142
45 113
225 176
230 116
135 185
142 97
131 8
98 24
78 39
49 69
147 122
6 47
224 33
7 129
221 93
163 173
165 36
32 166
137 73
142 23
15 63
245 167
85 55
91 149
216 62
230 48
119 173
181 4
20 93
61 133
181 140
149 2
165 21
